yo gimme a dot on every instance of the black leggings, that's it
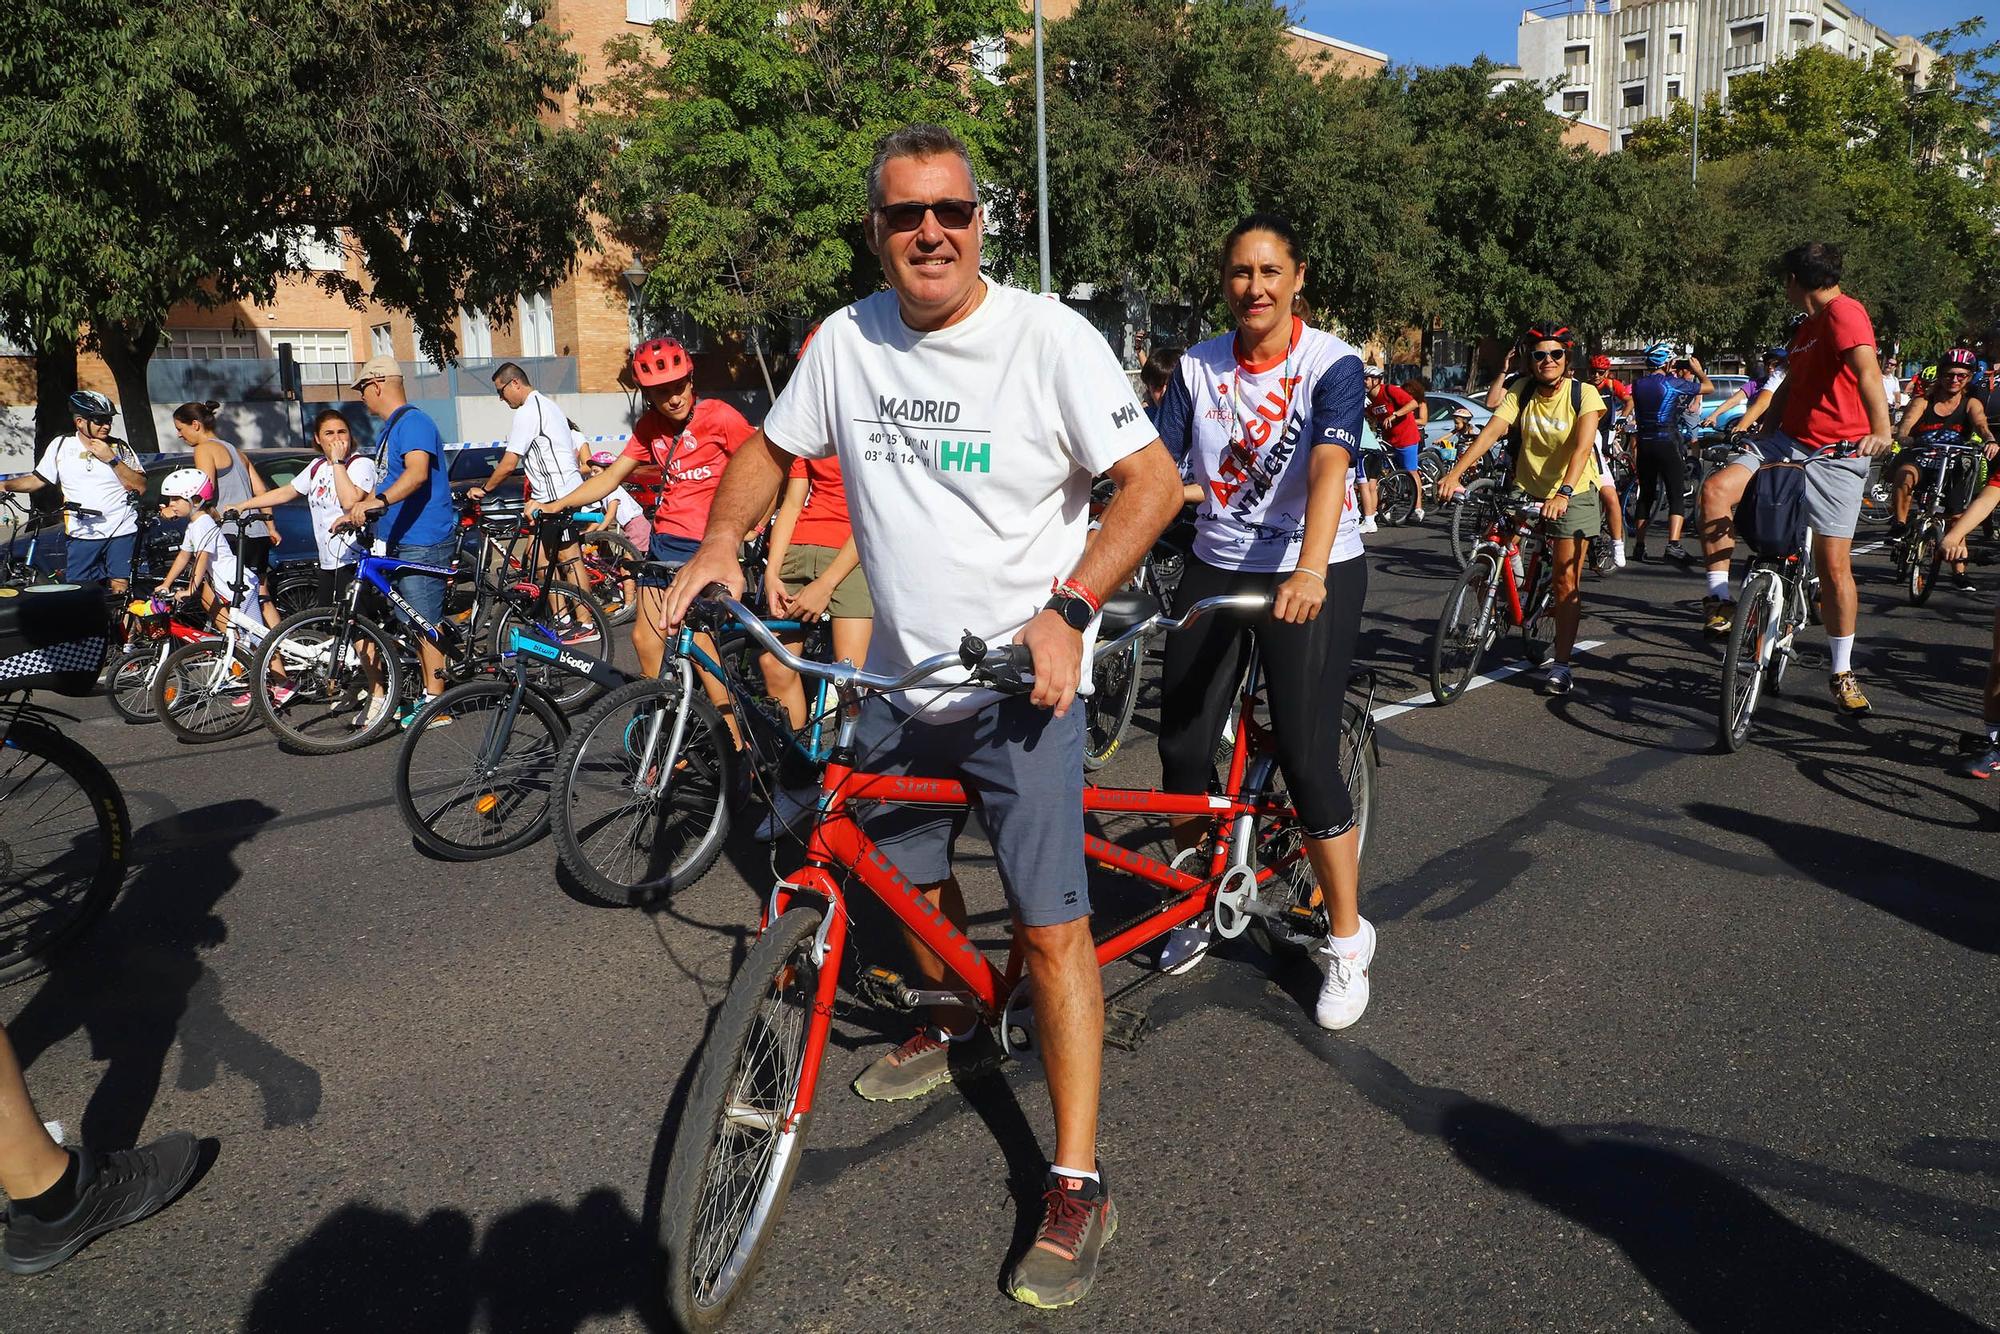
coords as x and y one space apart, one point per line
1662 464
1305 686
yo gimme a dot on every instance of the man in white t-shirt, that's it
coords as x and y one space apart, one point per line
968 419
99 476
539 442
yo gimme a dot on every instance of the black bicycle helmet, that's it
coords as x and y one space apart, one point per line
91 405
1543 331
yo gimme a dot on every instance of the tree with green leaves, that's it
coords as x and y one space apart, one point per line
746 130
158 151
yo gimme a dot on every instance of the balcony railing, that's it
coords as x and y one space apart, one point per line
1748 56
1630 71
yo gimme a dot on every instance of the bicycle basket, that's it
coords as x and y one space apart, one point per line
1772 516
52 638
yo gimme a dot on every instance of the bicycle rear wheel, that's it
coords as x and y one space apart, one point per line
480 786
1463 632
129 683
1477 510
202 693
1925 554
1398 498
1743 663
739 1144
330 676
631 821
64 825
1107 712
584 629
607 552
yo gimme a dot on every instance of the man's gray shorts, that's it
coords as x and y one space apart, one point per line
1833 486
1022 764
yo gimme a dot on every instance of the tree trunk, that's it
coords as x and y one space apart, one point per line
55 381
126 350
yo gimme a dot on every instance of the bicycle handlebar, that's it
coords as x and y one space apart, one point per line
1162 622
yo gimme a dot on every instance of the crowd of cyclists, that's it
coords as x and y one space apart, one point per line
924 474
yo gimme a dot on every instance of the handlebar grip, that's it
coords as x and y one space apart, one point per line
1009 669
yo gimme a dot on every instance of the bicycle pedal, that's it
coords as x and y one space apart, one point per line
880 987
1125 1029
1307 921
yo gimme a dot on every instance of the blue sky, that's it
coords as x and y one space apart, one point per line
1444 32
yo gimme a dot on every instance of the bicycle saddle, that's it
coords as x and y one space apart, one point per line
1126 609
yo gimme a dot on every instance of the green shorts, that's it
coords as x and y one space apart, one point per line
850 600
1584 518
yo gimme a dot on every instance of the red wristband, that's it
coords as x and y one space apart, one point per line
1075 587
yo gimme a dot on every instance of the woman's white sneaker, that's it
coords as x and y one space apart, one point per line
1343 990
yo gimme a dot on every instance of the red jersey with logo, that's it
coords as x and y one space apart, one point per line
1404 430
1613 389
823 522
690 460
1823 404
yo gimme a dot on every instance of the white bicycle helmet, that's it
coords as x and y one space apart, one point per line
188 484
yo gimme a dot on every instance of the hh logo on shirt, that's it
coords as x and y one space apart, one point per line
1124 416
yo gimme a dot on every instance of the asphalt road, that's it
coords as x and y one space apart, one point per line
1660 1039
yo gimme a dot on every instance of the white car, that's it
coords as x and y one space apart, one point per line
1441 402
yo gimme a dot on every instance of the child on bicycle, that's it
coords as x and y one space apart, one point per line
211 564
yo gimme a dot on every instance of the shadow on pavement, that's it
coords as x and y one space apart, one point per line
541 1267
1949 901
137 984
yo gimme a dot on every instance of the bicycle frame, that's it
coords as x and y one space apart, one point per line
812 750
1504 550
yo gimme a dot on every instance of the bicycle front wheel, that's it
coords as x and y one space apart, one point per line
1538 622
472 783
1743 663
64 825
1462 630
332 678
1107 712
739 1142
634 817
1926 553
129 683
202 693
1477 510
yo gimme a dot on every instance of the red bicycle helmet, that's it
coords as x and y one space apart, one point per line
660 361
1600 362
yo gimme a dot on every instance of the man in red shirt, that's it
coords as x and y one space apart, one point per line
690 440
1393 412
1832 397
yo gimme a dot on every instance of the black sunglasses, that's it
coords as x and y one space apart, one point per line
1557 355
952 214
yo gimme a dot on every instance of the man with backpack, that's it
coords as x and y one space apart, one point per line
1832 398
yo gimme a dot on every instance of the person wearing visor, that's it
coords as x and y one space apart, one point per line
99 475
1949 414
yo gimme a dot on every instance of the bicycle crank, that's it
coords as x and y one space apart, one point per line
1235 896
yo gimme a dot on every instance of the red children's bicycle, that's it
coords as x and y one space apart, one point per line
743 1131
1507 582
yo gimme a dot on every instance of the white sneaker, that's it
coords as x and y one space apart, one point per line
1416 516
1617 555
1343 995
1184 947
1367 524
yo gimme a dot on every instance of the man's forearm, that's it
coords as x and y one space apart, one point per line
501 471
749 488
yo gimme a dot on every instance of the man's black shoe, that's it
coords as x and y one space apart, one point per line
112 1189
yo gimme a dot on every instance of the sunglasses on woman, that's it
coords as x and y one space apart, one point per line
954 215
1557 355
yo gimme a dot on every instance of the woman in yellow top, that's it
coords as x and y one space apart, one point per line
1553 463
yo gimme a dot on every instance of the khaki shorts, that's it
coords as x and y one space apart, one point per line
850 600
1584 517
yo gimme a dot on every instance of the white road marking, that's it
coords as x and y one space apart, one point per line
1868 547
1388 711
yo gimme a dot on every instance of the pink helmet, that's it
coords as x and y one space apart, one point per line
603 458
660 361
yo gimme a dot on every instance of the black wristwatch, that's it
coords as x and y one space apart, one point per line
1076 613
1566 491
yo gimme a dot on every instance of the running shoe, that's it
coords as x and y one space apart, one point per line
1343 992
925 1063
1059 1269
790 813
1677 553
1718 614
575 632
371 713
1847 695
1367 524
1617 555
409 716
1983 765
1416 516
1184 947
1556 680
1962 582
112 1190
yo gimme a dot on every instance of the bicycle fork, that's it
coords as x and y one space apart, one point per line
646 780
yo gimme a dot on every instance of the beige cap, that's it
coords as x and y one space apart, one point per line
377 367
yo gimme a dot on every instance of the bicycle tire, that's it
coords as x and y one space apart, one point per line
470 813
1538 608
195 699
1107 712
1397 499
128 685
725 1190
1926 554
55 794
607 835
1455 647
1358 772
614 548
1477 510
566 690
1743 665
318 718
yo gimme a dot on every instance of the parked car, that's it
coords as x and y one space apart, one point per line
1441 405
1725 385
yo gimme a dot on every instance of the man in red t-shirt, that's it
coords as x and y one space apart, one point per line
689 439
1833 414
1393 413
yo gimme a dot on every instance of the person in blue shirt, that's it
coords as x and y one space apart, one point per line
1659 399
413 496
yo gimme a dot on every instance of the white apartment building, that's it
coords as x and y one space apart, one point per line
1623 61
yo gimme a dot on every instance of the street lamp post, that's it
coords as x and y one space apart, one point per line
1694 86
1041 155
635 275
